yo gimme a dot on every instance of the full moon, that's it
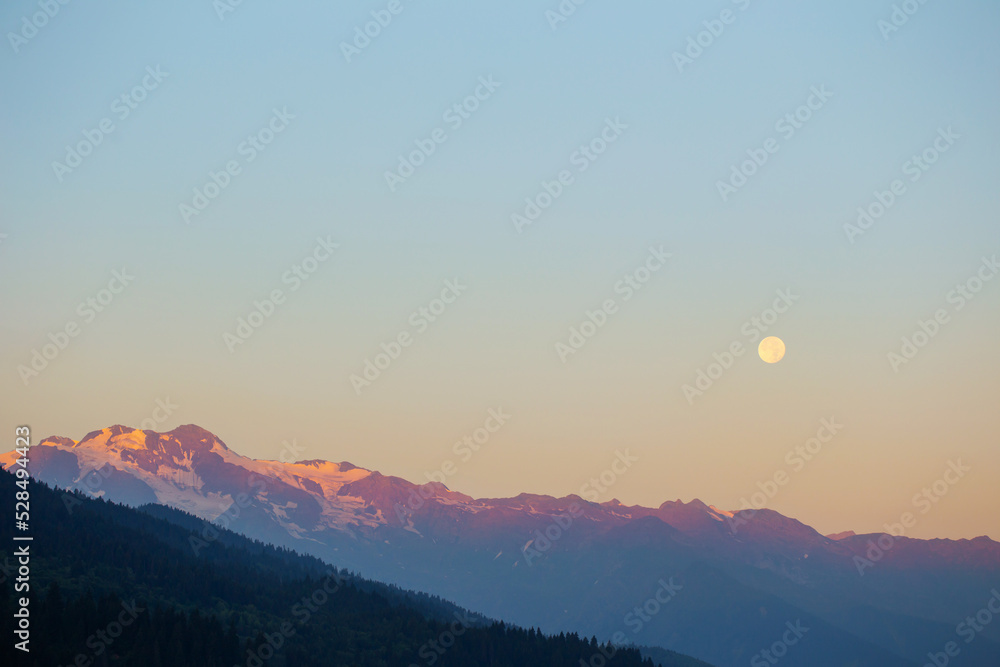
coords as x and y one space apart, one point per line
771 349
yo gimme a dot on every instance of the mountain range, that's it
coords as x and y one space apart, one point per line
115 586
729 588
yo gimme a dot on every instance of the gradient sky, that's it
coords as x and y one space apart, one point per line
323 176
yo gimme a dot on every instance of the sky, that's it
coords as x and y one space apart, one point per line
568 218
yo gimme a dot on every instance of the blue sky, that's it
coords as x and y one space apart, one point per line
324 176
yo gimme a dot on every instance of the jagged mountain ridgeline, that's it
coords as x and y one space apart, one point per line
724 587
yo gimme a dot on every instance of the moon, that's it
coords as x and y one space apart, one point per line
771 349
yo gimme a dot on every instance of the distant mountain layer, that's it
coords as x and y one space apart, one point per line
112 585
721 586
